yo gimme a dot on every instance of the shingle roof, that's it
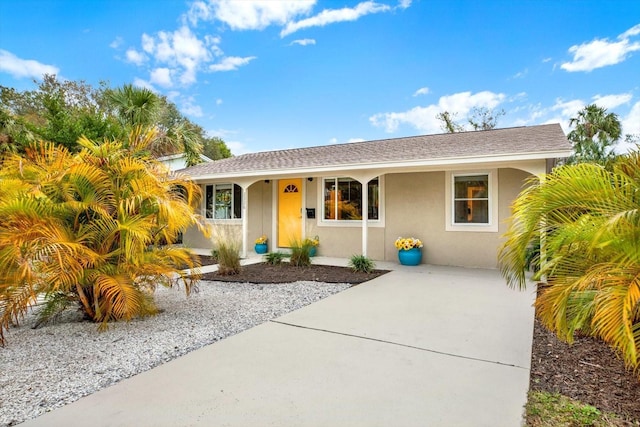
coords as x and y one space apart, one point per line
540 140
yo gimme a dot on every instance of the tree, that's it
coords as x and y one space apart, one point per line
449 125
215 148
481 118
589 217
85 229
595 134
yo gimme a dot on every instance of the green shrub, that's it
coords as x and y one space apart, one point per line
301 253
228 258
275 258
362 263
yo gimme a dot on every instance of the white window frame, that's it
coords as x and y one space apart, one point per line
321 222
492 225
233 220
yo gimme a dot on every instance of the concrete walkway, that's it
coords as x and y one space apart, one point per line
420 346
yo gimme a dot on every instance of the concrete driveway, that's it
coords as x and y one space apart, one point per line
420 346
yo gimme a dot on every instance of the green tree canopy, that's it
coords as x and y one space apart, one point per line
594 135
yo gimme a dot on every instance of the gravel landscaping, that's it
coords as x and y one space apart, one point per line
42 369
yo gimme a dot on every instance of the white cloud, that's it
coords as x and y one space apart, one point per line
231 63
356 140
333 141
181 51
602 52
135 57
19 68
190 108
249 14
330 16
303 42
116 43
162 77
612 101
521 74
237 147
630 125
424 118
218 101
403 4
144 84
422 91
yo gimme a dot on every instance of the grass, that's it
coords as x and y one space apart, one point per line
555 410
362 263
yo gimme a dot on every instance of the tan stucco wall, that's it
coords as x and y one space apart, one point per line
414 206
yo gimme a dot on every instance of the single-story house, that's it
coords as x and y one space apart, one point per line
452 191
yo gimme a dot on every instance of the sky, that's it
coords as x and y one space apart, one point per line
266 75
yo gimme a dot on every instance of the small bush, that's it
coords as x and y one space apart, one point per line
274 258
228 258
301 253
362 263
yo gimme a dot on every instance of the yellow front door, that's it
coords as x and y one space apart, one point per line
289 211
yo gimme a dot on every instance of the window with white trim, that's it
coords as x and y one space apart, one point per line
471 199
343 199
223 201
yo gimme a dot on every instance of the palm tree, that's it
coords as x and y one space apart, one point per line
140 107
595 134
85 229
589 219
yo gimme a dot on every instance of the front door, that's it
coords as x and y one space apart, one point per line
289 211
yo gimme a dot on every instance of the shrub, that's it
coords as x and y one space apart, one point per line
301 253
228 258
275 258
362 263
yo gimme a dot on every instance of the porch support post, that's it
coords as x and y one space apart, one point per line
245 219
365 216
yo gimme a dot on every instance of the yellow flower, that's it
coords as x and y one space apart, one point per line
406 243
261 240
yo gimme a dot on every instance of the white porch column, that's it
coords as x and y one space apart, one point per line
365 216
245 219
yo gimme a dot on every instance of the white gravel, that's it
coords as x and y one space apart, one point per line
42 369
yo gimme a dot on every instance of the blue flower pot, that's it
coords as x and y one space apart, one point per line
313 251
261 248
411 257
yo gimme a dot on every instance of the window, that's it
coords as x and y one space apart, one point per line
343 199
223 201
471 199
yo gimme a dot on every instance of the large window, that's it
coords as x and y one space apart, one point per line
471 199
223 201
343 199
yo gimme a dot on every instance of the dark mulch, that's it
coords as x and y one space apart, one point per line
587 370
286 273
207 260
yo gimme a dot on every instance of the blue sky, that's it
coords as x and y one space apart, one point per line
268 75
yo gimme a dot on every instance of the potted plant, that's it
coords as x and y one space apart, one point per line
409 250
261 245
313 245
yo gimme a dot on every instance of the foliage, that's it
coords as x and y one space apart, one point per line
595 135
553 410
362 263
63 111
300 253
228 257
481 118
215 148
589 220
275 258
261 240
406 243
84 229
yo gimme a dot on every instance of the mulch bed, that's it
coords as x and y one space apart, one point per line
286 273
587 370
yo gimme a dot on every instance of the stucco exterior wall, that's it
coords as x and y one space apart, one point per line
414 206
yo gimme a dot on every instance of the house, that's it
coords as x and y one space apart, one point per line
452 191
179 161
